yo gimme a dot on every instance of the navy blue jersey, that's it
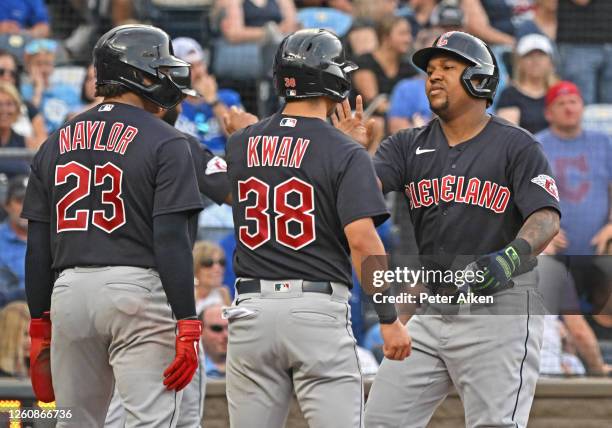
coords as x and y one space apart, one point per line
471 198
101 178
296 183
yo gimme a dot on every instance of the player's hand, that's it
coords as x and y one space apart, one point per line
397 343
40 358
178 375
499 267
236 119
602 239
354 125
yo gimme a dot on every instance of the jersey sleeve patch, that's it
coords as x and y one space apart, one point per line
547 183
215 165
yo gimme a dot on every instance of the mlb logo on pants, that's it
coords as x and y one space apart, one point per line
281 287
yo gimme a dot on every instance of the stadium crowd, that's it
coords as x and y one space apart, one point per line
556 62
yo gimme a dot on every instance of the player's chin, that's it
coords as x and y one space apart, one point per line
438 105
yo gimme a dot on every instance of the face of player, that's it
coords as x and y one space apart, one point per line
400 38
90 83
214 333
443 85
8 70
536 65
565 112
9 111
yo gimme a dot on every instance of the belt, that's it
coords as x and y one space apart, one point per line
254 286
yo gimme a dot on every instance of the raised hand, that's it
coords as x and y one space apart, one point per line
354 125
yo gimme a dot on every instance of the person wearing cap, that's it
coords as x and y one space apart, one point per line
54 100
13 235
522 102
581 160
202 116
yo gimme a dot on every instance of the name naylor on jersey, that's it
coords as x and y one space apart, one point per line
87 135
264 150
451 188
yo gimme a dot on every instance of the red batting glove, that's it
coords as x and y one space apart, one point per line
180 372
40 358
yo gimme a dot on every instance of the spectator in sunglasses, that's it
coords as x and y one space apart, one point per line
30 123
54 100
214 341
209 268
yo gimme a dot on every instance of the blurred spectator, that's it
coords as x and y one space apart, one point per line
492 20
14 340
583 338
409 106
214 341
522 102
55 100
28 16
447 16
362 38
544 20
251 30
380 70
581 161
30 123
13 235
601 324
209 268
88 92
342 5
584 40
558 352
202 116
422 11
10 104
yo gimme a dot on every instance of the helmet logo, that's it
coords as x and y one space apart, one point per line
290 82
443 40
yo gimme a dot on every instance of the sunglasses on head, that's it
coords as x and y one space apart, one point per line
209 262
217 328
4 71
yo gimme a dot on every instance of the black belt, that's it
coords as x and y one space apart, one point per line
254 286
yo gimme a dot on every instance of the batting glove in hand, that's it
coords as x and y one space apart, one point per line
40 358
180 372
501 266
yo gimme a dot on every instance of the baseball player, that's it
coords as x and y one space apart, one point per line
211 173
476 184
109 200
304 195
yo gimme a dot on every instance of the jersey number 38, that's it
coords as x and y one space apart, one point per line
258 231
107 173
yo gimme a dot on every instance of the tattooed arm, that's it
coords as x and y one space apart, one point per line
539 229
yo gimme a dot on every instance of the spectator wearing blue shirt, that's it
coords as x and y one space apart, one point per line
29 16
202 116
13 234
54 100
214 341
581 161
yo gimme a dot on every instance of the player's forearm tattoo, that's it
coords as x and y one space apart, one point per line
539 229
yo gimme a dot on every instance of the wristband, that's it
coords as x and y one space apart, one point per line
386 311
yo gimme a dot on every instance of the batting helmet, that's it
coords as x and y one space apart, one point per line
127 54
471 49
311 63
